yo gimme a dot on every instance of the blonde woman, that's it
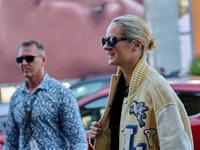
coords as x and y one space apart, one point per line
143 112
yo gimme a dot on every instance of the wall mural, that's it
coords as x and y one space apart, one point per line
71 31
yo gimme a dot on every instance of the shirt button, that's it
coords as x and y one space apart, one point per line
122 129
126 102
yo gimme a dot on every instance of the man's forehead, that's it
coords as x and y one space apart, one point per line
28 49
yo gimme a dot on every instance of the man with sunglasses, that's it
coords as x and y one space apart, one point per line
43 113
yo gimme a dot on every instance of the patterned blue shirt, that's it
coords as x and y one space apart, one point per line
55 122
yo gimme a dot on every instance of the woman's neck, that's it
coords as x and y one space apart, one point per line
127 75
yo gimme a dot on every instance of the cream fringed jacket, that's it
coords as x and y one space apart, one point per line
152 117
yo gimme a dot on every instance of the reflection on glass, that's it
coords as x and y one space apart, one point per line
87 88
6 93
66 84
93 111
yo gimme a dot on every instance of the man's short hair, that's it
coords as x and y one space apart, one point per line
30 42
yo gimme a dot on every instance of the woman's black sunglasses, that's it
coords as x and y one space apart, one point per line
28 59
113 40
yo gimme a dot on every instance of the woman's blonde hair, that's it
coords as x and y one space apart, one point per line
135 27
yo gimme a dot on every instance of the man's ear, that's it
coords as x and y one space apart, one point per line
137 44
44 59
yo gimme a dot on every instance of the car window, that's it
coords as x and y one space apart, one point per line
191 101
3 120
88 88
93 111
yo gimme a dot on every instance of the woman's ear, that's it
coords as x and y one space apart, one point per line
137 44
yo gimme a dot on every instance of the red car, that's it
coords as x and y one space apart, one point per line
187 88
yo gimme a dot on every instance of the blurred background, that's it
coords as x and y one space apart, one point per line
71 33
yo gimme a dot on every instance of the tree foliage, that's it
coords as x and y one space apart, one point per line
195 67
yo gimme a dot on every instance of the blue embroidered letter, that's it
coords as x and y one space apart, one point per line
129 132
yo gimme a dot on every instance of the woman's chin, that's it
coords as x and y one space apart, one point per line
111 62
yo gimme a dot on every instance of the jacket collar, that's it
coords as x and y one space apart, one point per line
138 75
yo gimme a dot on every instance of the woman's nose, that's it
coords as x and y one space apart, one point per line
106 47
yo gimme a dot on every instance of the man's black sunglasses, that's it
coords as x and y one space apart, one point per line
113 40
28 59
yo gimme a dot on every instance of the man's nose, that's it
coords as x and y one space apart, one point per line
24 61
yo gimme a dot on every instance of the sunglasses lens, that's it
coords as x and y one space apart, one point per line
19 60
104 40
29 58
111 42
